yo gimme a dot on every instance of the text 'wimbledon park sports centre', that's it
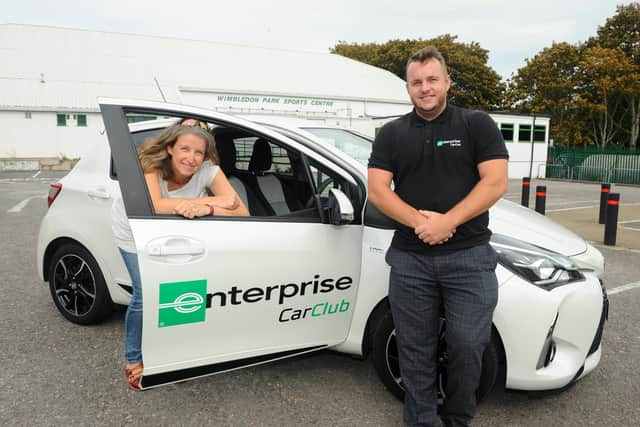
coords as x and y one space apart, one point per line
187 302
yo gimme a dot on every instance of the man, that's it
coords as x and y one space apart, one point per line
449 166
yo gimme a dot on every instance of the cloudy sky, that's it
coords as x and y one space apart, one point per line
511 30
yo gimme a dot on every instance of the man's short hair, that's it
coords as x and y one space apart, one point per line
426 54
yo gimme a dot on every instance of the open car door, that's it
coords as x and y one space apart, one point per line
224 292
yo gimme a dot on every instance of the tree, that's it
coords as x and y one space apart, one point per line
608 77
622 31
474 83
547 84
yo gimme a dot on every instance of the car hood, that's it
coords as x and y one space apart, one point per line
522 223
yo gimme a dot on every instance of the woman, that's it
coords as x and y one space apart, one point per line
180 165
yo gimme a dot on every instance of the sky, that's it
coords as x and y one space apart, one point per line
510 30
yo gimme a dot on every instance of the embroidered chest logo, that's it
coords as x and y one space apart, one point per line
449 142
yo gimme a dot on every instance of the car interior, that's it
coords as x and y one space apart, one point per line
271 180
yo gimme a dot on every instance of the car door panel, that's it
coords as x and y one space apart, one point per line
264 288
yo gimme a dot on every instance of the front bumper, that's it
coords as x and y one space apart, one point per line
557 339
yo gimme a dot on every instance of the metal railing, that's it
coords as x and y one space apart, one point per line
617 165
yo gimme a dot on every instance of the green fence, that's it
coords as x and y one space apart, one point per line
611 164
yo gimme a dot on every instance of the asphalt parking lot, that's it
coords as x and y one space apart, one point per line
58 373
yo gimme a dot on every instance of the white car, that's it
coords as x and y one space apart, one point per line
306 271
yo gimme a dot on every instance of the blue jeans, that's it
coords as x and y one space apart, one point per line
465 285
133 318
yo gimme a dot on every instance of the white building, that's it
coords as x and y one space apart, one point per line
50 79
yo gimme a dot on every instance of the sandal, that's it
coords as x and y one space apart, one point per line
133 375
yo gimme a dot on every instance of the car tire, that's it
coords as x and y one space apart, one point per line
385 360
77 286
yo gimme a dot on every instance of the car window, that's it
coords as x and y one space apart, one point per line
350 143
325 179
280 161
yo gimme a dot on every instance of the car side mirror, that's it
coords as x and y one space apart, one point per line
339 208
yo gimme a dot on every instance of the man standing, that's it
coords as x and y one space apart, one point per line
449 166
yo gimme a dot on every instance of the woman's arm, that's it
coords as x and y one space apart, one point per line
225 201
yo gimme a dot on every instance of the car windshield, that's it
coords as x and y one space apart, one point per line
354 145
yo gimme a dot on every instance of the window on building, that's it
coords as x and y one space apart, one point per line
82 120
539 133
507 131
524 133
62 119
134 118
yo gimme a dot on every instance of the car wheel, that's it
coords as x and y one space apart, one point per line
386 362
77 286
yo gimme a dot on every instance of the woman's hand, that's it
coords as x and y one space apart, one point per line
191 210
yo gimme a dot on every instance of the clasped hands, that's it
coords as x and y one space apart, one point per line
191 209
436 228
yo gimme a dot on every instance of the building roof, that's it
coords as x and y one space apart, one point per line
59 68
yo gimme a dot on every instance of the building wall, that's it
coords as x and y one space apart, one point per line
40 136
520 161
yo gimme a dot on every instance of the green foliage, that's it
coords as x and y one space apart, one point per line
474 83
622 31
591 90
546 84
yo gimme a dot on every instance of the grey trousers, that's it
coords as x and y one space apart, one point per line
465 285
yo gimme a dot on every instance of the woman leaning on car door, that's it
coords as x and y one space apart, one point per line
180 165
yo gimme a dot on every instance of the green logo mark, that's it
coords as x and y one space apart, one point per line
182 302
440 143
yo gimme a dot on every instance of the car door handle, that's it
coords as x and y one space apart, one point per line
99 193
170 246
162 250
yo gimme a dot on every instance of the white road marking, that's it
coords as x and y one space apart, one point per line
18 207
623 288
588 207
36 174
570 209
570 202
28 179
630 221
601 245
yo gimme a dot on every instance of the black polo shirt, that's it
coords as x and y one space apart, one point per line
434 166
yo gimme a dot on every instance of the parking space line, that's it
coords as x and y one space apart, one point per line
588 207
18 207
623 288
554 203
28 179
571 209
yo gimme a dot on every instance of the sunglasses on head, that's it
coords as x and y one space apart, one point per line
194 123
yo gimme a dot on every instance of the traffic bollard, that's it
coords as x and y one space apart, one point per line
526 184
541 197
611 226
604 195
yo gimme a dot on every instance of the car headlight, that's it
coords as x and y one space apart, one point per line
536 265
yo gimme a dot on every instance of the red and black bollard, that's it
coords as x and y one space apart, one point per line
541 198
611 225
604 195
526 184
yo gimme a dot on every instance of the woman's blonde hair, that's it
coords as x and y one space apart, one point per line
153 153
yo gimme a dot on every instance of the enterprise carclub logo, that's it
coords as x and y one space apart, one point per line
449 142
186 302
182 302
